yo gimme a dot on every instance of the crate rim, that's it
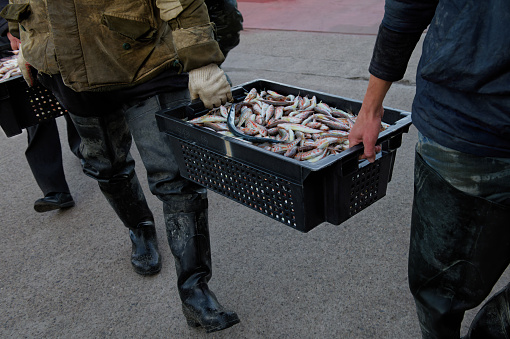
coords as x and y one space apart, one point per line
16 77
355 151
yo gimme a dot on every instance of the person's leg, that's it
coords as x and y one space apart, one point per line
44 156
106 142
460 242
105 145
185 212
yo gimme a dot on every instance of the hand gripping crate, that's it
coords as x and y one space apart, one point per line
22 106
299 194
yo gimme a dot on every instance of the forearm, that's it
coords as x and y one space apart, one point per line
15 42
376 92
400 31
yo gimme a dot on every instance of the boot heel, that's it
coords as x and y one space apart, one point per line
190 318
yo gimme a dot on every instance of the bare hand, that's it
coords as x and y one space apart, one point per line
366 130
15 42
368 123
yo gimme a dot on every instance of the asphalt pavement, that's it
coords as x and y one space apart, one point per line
67 274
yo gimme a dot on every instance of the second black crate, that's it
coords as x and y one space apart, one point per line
22 106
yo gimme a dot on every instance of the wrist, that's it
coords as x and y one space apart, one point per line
373 101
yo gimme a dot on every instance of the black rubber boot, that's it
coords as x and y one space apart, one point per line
145 256
126 196
188 237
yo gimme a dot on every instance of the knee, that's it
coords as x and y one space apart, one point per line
447 289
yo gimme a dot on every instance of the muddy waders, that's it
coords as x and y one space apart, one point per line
456 257
188 236
106 141
125 195
105 146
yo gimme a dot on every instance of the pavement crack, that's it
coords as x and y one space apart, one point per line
403 82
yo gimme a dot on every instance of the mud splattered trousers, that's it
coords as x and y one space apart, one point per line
460 241
107 122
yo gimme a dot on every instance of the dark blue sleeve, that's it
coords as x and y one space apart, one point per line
403 23
408 16
3 23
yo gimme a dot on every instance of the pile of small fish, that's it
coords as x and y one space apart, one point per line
9 68
294 126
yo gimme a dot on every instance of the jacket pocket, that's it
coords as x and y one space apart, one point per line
133 29
15 12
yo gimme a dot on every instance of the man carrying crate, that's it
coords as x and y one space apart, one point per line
460 235
114 64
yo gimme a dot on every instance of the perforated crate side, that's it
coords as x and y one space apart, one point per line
23 106
263 192
359 189
364 189
44 105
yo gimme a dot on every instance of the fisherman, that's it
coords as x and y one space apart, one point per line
114 64
460 239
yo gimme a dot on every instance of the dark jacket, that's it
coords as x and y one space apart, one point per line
5 44
463 79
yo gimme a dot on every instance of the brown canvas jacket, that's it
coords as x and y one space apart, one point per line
102 45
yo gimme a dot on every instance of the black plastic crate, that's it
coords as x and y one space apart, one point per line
22 106
299 194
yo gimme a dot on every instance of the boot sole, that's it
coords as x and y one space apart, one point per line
219 328
147 273
50 207
192 322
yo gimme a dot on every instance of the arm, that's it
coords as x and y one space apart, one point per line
400 31
192 32
197 50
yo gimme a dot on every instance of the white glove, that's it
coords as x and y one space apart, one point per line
209 83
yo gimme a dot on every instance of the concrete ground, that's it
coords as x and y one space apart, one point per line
66 274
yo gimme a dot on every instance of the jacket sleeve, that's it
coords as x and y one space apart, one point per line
14 29
192 32
401 28
13 13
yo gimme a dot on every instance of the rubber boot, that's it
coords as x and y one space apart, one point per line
188 237
125 195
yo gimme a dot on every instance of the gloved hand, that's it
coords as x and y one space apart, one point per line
28 71
209 83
